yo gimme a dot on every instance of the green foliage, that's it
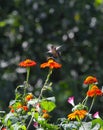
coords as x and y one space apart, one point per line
27 110
47 105
96 124
97 121
47 126
17 126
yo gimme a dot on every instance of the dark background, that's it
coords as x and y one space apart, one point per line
26 29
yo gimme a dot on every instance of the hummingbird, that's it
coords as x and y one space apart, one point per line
54 51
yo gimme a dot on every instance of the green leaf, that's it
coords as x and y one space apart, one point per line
18 126
18 95
9 122
48 126
97 121
32 102
8 117
15 127
12 102
36 115
48 105
29 113
70 126
23 127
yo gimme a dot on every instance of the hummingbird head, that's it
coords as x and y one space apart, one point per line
52 47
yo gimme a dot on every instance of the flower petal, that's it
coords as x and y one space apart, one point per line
71 100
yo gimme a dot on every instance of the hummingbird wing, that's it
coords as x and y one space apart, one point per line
49 49
58 48
54 50
49 46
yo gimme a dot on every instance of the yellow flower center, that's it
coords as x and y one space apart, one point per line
50 61
27 61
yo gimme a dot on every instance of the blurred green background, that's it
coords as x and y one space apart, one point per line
26 29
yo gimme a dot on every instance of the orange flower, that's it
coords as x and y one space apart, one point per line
46 115
90 80
27 63
12 110
51 64
4 128
10 107
77 113
25 108
29 97
94 91
44 111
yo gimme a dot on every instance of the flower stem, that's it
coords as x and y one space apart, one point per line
27 79
30 120
43 88
28 73
91 106
85 100
81 124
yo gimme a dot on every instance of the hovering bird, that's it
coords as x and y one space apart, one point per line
54 51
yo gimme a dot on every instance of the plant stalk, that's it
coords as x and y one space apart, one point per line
41 93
